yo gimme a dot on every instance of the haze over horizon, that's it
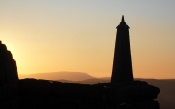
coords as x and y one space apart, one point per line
79 36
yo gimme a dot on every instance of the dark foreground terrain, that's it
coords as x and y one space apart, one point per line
166 97
45 94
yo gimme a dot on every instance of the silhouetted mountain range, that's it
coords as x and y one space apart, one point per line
72 76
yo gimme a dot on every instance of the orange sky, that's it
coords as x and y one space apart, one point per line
79 36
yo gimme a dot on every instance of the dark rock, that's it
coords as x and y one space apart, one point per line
133 94
138 91
8 79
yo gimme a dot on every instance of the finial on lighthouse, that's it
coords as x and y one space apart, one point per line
123 20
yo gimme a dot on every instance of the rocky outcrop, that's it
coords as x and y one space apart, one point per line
135 94
8 79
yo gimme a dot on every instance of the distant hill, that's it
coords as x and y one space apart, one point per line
73 76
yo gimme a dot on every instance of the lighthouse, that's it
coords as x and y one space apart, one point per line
122 63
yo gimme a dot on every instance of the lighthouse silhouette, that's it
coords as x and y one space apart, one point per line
122 63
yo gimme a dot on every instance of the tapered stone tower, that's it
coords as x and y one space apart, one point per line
122 64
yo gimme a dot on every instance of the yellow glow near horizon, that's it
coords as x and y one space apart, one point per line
79 36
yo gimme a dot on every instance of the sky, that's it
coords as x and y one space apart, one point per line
79 35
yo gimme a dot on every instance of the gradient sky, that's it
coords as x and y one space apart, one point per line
79 35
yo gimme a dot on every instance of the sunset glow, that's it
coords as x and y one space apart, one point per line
79 36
